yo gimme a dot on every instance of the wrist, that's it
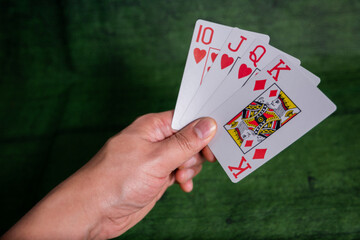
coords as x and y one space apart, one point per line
64 213
96 203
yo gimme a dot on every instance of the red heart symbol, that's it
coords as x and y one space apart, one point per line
213 56
226 61
244 71
199 54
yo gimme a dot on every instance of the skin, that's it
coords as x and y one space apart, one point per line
122 182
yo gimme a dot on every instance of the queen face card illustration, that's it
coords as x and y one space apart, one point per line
271 111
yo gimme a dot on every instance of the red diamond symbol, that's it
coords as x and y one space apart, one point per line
273 93
259 84
248 143
259 153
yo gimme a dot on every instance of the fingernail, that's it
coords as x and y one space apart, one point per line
205 127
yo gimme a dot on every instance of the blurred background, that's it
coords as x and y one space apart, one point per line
74 73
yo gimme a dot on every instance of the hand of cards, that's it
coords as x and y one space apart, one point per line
260 97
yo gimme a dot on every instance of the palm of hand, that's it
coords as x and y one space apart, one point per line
137 160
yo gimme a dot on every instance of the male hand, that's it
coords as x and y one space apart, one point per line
122 183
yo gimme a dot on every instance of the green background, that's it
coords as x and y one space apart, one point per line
74 73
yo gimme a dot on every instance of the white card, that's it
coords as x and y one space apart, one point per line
207 41
257 56
271 111
248 63
234 47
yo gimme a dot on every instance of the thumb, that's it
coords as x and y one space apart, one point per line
181 146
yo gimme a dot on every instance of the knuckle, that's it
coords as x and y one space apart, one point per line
112 142
145 118
150 119
184 143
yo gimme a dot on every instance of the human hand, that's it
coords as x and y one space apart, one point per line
123 181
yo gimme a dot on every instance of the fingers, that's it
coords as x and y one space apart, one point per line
206 152
153 127
186 143
188 186
188 171
193 161
183 175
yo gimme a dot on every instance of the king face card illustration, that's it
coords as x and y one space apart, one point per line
261 118
270 112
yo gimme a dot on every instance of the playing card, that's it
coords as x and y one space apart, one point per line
206 42
257 56
271 111
234 47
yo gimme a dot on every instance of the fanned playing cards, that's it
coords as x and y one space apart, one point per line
260 97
